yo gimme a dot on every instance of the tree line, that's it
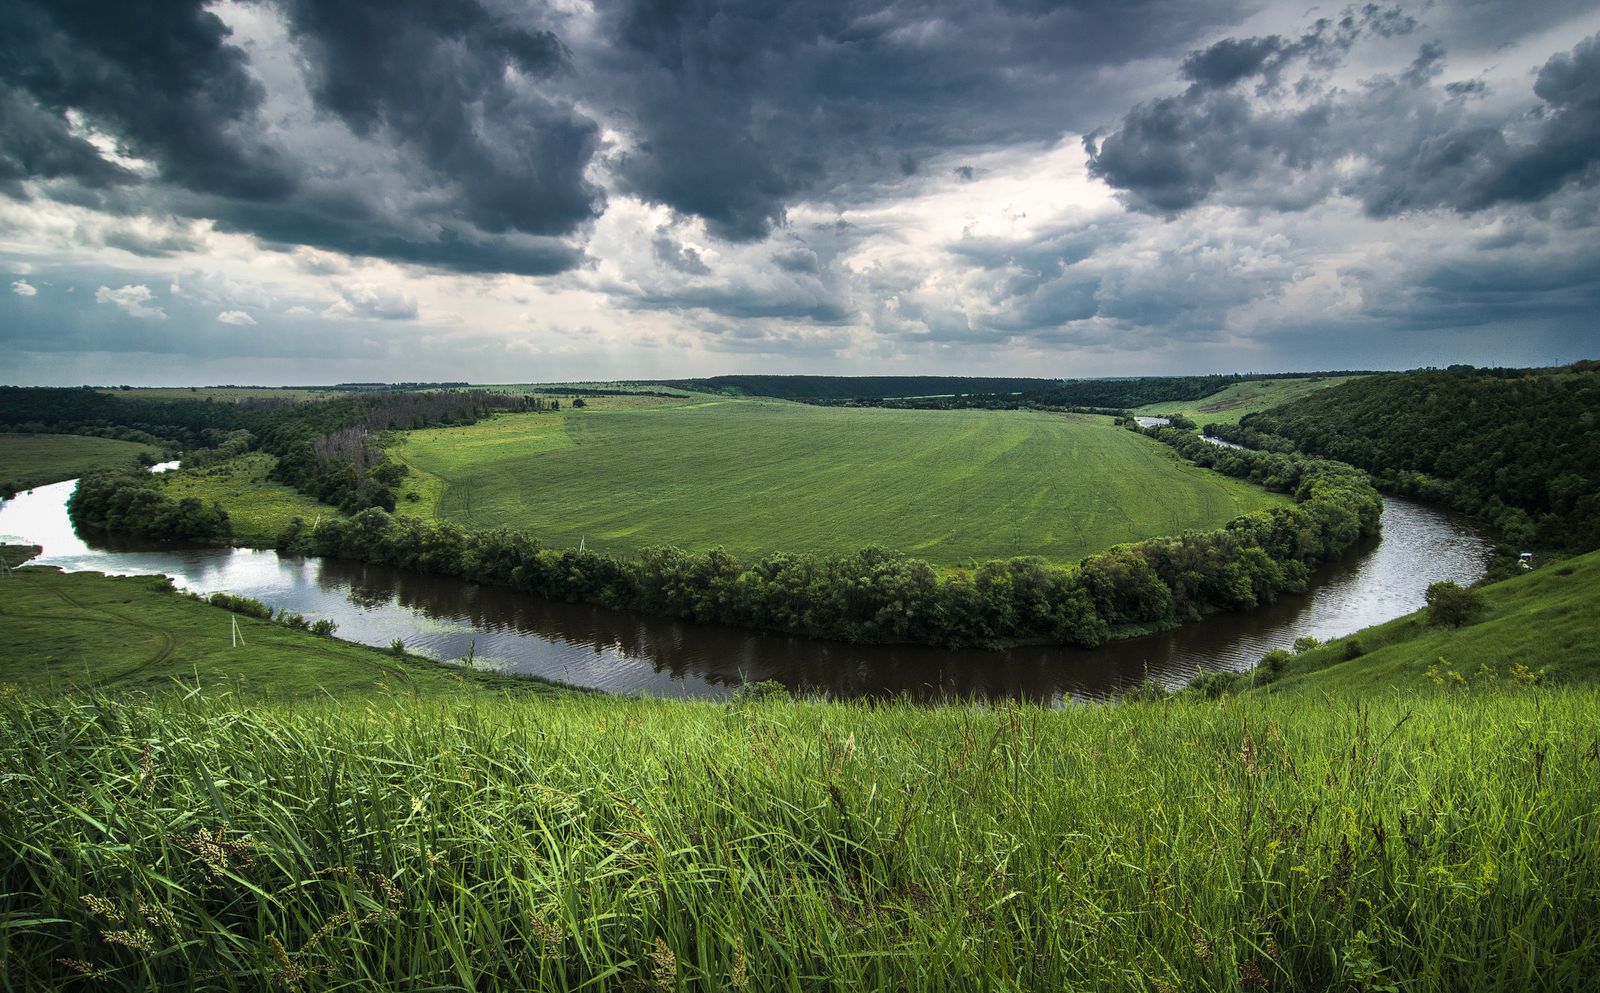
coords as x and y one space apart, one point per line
876 595
131 502
1519 448
326 448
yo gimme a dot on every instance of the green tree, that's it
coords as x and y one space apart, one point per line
1451 604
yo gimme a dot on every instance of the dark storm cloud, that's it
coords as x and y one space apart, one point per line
488 173
158 75
432 76
742 107
1420 146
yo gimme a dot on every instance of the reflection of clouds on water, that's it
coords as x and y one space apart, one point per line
444 619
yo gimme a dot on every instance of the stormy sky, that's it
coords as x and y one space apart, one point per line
310 191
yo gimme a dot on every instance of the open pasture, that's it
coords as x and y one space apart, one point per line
757 477
1232 403
29 460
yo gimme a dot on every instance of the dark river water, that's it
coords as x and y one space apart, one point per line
631 653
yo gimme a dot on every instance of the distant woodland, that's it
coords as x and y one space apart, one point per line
1518 447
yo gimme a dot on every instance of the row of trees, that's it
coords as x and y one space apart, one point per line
875 595
1519 448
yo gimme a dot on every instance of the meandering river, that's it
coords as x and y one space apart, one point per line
632 653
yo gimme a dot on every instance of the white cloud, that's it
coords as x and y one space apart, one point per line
23 288
373 300
134 298
236 317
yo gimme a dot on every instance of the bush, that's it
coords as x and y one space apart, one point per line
1271 666
241 605
1453 605
1212 685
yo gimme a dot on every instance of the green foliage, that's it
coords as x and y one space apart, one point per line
247 606
1433 841
1520 448
131 502
1453 604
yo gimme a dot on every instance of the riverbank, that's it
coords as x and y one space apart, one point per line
66 633
630 653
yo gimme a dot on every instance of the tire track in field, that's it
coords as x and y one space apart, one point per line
169 644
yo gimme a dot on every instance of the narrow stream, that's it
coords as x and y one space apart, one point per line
632 653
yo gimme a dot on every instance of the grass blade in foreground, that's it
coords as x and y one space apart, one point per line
1424 841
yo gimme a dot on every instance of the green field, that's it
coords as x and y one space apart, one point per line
757 477
259 508
29 460
1232 403
67 632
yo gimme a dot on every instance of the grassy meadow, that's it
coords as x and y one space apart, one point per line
64 633
757 477
258 507
1424 841
29 460
1232 403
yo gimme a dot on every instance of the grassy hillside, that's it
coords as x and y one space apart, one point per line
1423 842
1234 402
1358 828
758 477
1544 620
29 460
66 632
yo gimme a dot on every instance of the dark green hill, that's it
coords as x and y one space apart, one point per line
1519 447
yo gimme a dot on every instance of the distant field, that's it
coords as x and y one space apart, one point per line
29 460
1227 406
229 393
763 476
259 508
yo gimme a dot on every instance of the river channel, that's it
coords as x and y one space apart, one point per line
632 653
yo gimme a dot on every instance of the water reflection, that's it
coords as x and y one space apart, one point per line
622 652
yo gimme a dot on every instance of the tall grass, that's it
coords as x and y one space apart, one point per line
1425 842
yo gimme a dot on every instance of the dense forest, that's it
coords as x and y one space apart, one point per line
1072 395
1520 448
853 387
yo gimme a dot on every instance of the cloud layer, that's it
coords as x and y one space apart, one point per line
508 190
